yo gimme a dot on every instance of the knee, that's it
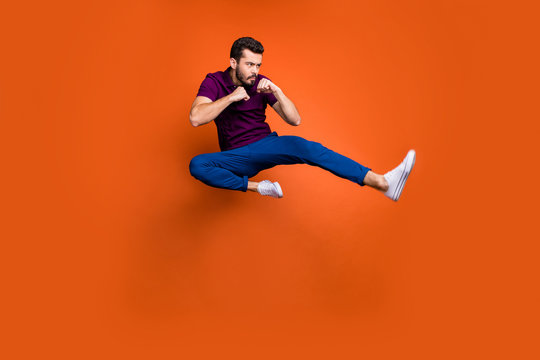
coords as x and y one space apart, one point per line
197 166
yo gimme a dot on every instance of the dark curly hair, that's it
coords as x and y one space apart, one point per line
245 43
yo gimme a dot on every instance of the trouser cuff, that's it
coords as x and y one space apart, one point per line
244 186
362 177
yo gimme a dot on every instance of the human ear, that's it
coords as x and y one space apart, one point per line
233 63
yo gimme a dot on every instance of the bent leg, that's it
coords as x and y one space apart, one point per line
225 170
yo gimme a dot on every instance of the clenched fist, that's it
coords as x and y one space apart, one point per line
266 86
239 94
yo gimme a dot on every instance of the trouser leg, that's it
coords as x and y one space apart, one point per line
286 150
225 170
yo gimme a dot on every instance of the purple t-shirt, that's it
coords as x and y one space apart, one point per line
242 122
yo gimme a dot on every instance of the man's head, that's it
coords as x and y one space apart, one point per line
246 59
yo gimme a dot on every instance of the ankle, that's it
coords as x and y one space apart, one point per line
383 184
253 186
376 181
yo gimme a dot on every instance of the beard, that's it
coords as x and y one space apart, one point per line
245 82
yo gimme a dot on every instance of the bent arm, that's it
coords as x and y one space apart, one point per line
204 110
286 109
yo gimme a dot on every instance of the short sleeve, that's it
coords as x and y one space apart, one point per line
271 99
208 89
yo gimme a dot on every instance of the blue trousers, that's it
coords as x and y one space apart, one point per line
231 169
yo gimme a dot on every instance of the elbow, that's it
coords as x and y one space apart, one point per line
193 120
293 121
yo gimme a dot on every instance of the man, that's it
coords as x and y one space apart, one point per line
236 100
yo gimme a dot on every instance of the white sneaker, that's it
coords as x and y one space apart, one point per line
396 178
269 188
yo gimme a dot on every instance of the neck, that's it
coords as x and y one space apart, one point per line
235 80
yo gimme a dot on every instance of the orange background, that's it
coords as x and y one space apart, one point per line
110 249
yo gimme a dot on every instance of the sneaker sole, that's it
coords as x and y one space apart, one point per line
404 176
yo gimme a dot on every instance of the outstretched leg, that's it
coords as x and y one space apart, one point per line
286 150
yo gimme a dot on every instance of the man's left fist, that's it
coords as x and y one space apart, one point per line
266 86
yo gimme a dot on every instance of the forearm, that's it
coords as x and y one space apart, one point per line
292 116
204 113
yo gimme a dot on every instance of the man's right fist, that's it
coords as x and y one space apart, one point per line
239 94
